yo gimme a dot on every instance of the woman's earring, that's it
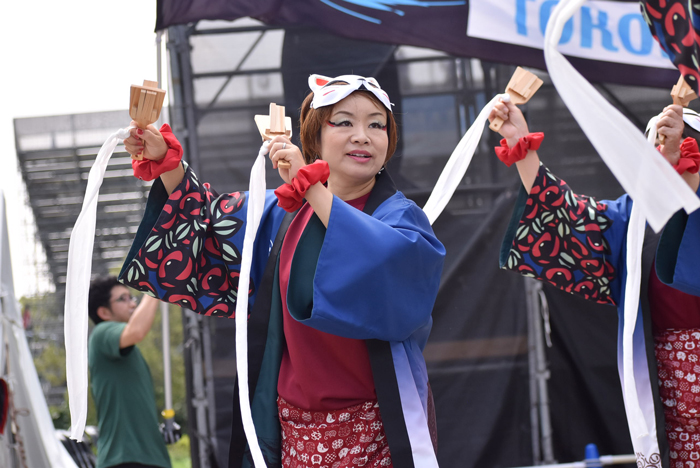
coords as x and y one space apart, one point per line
381 170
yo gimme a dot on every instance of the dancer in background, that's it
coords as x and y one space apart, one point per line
578 244
343 282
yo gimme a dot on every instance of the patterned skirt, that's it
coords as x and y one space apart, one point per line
347 438
678 358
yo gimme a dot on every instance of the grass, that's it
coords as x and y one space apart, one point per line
180 453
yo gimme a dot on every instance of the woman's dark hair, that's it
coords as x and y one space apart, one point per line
312 120
100 295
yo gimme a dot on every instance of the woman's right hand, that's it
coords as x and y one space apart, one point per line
514 128
671 126
148 142
281 148
514 125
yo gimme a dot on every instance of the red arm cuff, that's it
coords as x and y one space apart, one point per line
291 196
690 157
509 156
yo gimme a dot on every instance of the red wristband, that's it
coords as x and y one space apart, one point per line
291 196
147 169
690 157
519 151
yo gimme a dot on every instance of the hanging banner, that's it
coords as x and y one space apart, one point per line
607 40
600 30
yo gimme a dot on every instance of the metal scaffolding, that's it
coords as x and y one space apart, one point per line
55 155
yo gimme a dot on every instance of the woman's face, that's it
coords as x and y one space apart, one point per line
354 140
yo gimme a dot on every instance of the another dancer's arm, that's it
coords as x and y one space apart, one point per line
574 241
187 249
568 240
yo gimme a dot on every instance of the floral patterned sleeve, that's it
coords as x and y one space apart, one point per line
675 25
570 241
188 246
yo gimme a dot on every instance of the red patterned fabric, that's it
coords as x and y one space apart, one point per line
560 239
677 354
147 169
676 26
347 438
509 156
690 157
291 196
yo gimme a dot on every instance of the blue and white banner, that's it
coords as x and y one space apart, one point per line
601 30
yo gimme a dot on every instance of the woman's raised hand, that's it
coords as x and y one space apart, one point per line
514 125
154 147
513 129
282 149
670 125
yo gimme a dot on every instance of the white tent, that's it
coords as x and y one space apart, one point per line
37 444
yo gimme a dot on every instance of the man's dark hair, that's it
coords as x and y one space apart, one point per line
100 295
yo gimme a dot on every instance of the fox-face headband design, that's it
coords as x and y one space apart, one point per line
328 91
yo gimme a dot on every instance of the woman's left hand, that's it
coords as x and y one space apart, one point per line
282 149
670 125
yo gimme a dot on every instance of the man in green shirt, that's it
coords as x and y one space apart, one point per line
121 381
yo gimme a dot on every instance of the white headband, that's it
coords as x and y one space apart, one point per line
690 117
328 91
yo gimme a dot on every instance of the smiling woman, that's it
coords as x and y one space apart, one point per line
354 143
341 303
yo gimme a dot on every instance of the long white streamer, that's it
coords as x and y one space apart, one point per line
635 242
80 248
633 161
458 163
256 205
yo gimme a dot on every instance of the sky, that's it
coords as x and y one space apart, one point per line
63 57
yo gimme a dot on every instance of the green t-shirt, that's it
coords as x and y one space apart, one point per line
126 407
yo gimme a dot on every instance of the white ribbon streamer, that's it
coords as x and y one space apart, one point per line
256 205
458 163
643 173
635 242
75 328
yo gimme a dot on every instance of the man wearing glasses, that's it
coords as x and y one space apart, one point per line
121 381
